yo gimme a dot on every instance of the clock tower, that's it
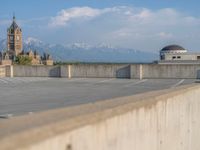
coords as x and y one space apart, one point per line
14 39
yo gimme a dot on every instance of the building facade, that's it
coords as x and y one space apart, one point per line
178 54
15 48
14 39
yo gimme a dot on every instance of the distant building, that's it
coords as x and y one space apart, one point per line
15 48
178 54
14 39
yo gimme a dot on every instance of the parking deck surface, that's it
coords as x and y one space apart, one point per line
19 96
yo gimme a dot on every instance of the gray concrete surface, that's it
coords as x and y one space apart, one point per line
22 95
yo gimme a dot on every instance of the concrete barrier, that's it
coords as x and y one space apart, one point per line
163 71
100 71
134 71
64 71
74 71
36 71
170 71
162 120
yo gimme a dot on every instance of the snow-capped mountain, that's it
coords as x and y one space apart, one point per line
104 45
35 44
33 41
79 46
83 52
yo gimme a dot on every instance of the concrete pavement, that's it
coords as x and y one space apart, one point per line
26 95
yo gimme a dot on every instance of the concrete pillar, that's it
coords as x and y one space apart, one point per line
141 72
69 71
11 71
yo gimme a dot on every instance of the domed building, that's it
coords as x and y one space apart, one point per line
177 54
171 49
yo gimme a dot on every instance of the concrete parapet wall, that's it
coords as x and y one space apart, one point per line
74 71
134 71
64 71
100 71
171 71
163 120
36 71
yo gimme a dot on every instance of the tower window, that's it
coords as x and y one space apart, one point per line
11 38
198 57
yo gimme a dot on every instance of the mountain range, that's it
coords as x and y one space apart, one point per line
83 52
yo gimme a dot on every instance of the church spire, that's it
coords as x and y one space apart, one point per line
14 17
14 25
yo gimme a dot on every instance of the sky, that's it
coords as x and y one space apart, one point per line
146 25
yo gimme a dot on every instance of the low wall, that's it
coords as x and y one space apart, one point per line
64 71
74 71
36 71
134 71
100 71
163 120
171 71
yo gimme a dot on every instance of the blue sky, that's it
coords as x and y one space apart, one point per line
140 24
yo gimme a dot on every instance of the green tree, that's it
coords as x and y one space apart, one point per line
23 60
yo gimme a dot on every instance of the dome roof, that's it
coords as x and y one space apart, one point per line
173 47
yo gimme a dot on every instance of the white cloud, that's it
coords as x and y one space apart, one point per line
126 26
64 16
144 14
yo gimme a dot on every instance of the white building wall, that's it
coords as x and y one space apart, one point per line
185 56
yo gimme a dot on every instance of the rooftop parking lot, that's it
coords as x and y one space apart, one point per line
19 96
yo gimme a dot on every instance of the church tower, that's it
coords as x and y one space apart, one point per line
14 39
